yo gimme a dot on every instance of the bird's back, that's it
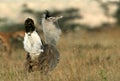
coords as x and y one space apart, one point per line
49 59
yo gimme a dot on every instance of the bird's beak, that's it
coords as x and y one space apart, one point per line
29 34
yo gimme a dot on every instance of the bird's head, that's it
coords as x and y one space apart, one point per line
29 25
50 18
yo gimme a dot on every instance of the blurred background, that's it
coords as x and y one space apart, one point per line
90 14
91 28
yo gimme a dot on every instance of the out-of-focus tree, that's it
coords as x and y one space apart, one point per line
117 14
106 9
66 23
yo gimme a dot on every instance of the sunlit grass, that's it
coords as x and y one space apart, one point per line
85 56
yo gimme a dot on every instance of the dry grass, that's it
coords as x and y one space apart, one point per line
85 56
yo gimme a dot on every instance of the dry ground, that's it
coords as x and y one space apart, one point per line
85 56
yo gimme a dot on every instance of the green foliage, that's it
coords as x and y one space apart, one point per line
11 27
117 14
103 75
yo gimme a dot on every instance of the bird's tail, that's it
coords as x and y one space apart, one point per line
51 28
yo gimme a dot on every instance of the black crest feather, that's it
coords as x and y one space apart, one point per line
47 14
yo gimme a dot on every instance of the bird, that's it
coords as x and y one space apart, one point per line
41 56
51 28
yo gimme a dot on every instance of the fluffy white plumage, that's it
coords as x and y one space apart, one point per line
49 58
32 43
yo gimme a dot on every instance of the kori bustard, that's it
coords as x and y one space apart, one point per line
42 56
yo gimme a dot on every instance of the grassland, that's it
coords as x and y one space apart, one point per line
85 56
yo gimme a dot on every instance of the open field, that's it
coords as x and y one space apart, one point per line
85 56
